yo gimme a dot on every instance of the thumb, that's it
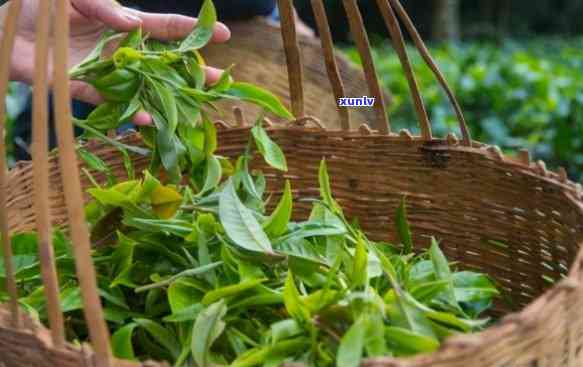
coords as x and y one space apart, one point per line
109 13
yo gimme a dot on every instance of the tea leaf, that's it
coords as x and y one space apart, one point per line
165 201
351 346
285 329
403 228
375 343
326 190
276 224
121 342
293 303
189 313
203 31
240 224
258 96
186 273
405 342
224 82
208 327
269 150
213 174
210 136
230 291
443 272
162 335
93 161
359 270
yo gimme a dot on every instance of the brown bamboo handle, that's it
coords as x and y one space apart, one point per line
420 45
293 56
5 62
330 60
356 23
73 195
394 28
40 150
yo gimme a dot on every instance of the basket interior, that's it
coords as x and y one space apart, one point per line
491 216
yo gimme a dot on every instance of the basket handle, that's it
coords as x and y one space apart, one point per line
5 61
391 17
426 55
40 157
382 122
92 308
330 60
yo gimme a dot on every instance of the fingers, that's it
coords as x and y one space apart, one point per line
85 93
109 13
212 74
142 118
164 27
171 27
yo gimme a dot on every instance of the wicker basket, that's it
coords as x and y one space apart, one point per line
466 193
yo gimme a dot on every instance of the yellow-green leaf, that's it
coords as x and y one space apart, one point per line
276 224
165 201
293 303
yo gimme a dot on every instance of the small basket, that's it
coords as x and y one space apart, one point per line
469 195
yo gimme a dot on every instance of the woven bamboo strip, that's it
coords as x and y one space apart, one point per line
73 193
40 150
466 136
293 56
330 60
394 28
5 62
382 122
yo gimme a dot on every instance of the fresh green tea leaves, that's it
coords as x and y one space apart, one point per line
270 151
258 96
405 342
351 347
208 327
360 265
164 336
203 31
276 224
293 302
165 201
240 224
326 189
121 342
230 291
213 174
403 229
443 272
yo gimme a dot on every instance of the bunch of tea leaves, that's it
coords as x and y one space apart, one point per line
215 279
168 81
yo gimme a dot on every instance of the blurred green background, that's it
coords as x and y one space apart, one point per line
516 66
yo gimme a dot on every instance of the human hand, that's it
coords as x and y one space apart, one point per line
88 19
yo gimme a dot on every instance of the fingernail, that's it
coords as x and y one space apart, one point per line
213 74
221 27
132 17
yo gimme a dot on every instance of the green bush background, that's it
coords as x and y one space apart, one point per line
515 95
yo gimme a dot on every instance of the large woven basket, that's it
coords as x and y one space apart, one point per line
468 194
